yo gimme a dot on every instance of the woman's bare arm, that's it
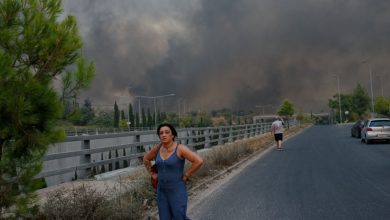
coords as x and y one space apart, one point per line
194 158
149 156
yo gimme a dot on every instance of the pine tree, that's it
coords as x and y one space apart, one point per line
131 116
123 116
164 117
143 118
37 43
116 115
137 123
159 117
73 82
150 119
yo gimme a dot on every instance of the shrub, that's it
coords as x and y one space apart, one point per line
79 203
128 200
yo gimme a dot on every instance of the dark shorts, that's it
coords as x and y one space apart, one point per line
278 137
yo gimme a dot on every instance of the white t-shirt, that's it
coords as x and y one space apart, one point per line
278 126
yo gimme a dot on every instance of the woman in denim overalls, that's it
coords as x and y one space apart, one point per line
170 158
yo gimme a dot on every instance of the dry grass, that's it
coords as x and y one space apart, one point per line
78 203
128 200
219 158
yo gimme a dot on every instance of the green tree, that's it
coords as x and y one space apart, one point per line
347 104
82 116
37 43
159 116
123 116
163 117
116 115
150 119
286 110
73 82
361 101
131 116
202 120
103 119
357 104
143 118
137 123
87 112
186 121
382 106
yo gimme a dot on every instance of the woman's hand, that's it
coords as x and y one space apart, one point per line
154 176
185 178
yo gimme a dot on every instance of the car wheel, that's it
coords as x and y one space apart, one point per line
367 141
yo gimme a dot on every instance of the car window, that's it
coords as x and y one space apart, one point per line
380 123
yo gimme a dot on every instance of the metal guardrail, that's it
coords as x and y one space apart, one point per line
195 138
70 132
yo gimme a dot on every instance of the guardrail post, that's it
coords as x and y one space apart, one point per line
190 140
230 139
110 164
125 163
247 131
84 159
260 128
263 128
256 129
117 163
220 136
139 148
207 133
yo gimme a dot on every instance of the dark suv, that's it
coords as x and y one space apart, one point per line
356 129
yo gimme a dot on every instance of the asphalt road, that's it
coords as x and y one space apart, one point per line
322 174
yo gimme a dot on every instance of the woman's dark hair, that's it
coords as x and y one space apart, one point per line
173 130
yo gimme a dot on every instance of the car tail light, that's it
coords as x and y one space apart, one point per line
369 129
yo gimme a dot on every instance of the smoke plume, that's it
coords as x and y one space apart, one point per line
234 54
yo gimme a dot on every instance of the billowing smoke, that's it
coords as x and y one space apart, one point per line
234 53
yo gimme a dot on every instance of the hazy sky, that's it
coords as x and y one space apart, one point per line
234 53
